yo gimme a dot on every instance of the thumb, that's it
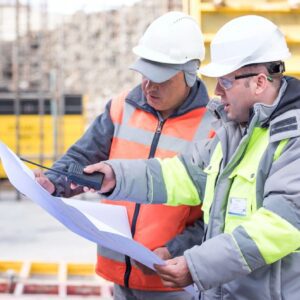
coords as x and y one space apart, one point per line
98 167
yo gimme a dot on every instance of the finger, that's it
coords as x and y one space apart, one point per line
163 253
158 267
166 277
38 173
73 186
87 189
162 268
46 184
168 283
93 168
39 180
43 181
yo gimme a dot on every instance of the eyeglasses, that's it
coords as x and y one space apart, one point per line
227 83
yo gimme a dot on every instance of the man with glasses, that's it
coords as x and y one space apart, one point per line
239 110
247 177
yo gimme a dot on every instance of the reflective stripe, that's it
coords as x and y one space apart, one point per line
117 256
205 126
284 209
261 228
145 137
280 148
128 112
172 143
166 142
157 186
173 172
248 248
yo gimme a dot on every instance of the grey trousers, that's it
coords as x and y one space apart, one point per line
122 293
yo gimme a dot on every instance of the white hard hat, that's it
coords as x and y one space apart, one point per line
243 41
174 38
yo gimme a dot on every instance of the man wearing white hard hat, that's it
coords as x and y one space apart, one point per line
247 177
159 118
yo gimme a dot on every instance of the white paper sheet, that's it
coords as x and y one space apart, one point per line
103 224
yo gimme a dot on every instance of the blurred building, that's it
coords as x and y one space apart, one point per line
87 53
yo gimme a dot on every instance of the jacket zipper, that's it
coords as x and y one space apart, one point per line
156 138
138 205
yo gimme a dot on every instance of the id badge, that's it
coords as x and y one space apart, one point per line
238 207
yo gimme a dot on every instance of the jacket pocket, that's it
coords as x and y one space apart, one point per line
242 198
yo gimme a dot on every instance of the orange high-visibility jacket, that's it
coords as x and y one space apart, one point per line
141 134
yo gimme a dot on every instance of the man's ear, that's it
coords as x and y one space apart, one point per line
261 83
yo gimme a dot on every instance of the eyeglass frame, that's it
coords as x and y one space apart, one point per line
230 81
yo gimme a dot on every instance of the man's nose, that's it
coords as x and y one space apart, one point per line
150 84
219 91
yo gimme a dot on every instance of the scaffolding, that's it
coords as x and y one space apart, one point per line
59 280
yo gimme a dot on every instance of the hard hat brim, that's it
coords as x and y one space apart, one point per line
217 70
154 71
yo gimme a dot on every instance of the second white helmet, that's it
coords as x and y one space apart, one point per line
174 38
242 41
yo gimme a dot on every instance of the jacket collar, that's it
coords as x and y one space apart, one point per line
290 99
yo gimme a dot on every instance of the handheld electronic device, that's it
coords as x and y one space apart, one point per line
76 175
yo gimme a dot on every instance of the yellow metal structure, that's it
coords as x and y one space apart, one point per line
211 18
53 279
40 133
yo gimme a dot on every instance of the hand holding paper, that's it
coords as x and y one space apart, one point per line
92 221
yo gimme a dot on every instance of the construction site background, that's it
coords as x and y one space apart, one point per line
83 53
57 72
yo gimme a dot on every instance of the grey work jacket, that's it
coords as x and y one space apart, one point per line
217 266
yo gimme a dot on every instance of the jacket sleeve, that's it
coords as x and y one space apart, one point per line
92 147
179 180
191 236
270 234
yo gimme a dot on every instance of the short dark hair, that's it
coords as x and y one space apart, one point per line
273 67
